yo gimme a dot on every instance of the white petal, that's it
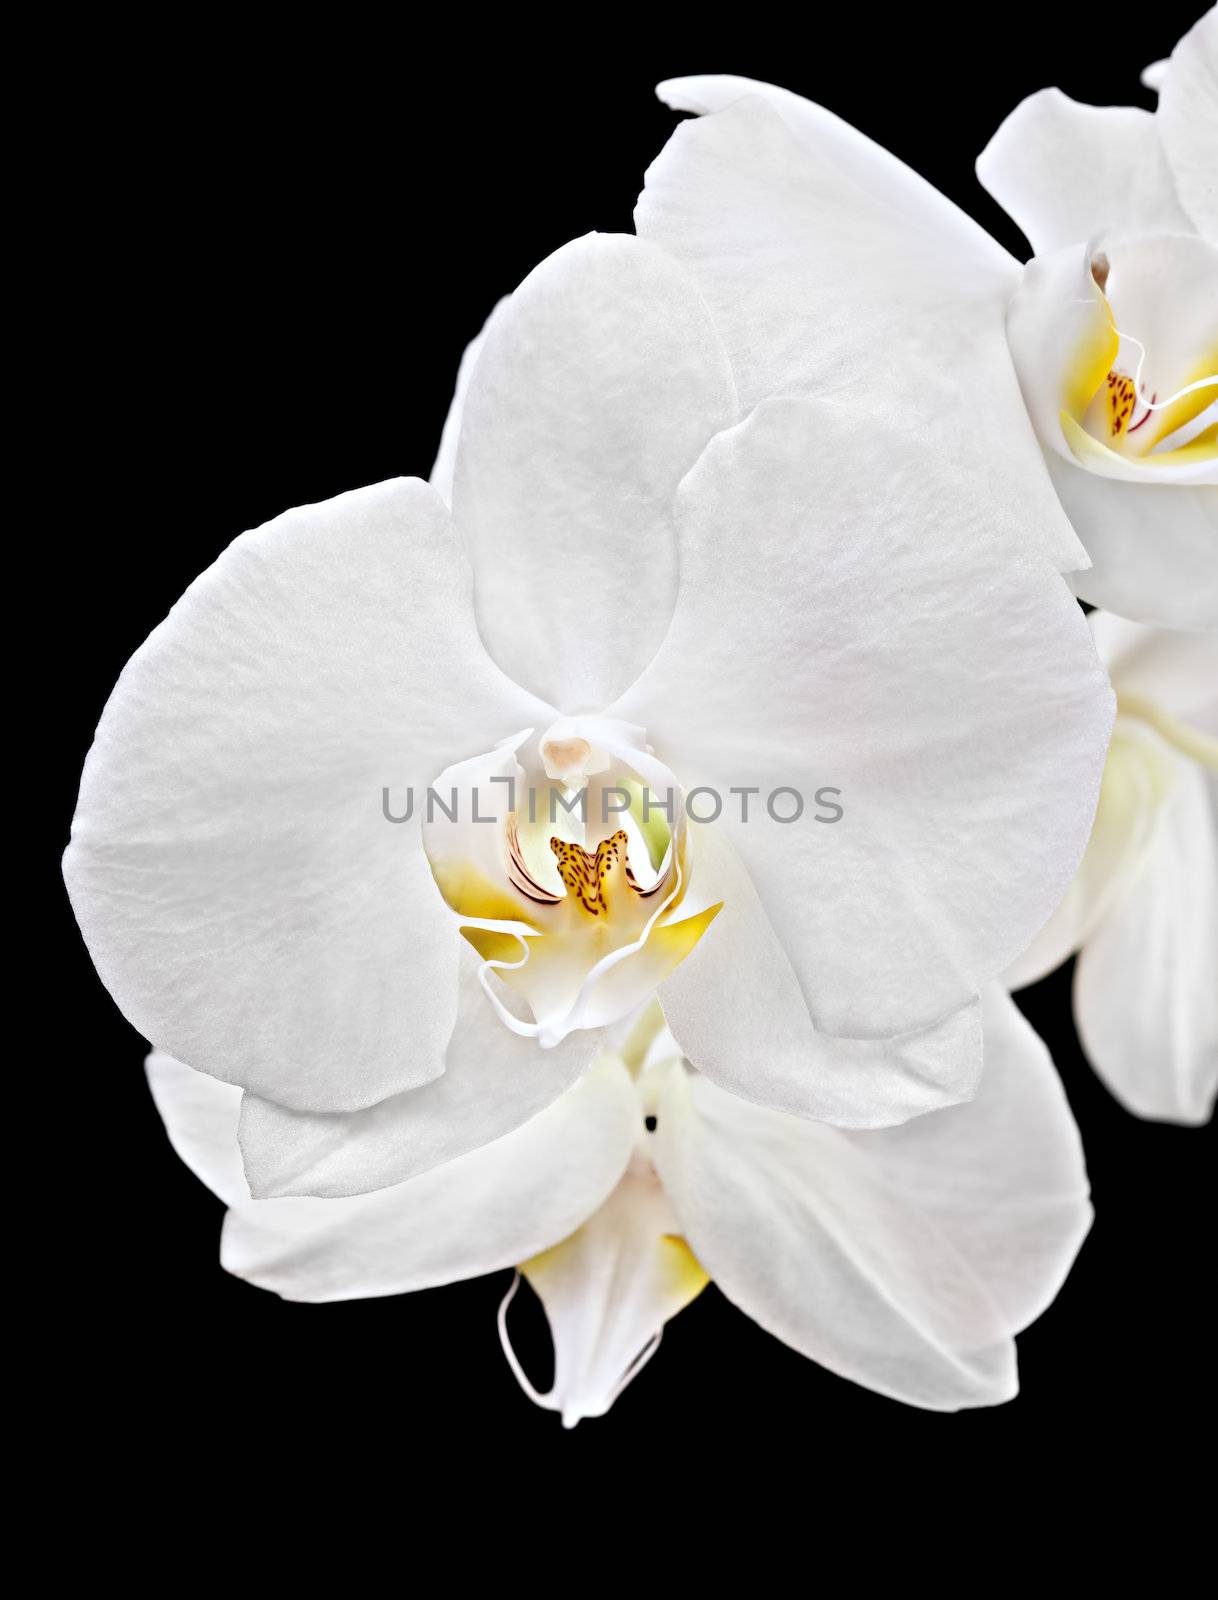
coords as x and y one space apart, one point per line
1004 1176
1188 121
607 1292
877 171
493 1082
822 286
441 476
488 1209
850 627
799 1228
599 383
1153 547
1068 173
1177 671
200 1115
239 889
904 1259
736 1008
1135 777
1145 995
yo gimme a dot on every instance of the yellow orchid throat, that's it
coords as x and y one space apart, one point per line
1112 413
600 945
572 894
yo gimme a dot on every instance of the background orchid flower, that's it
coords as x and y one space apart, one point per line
845 615
833 269
1121 209
1143 910
903 1259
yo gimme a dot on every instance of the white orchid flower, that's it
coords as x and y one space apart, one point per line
833 269
1132 317
846 616
1143 911
904 1259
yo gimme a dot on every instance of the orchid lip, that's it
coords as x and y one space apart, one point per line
1146 398
552 1031
565 900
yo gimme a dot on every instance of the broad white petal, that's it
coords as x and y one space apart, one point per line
1187 119
1136 775
1068 173
901 1259
200 1115
243 897
607 1292
736 1008
1154 547
849 627
441 476
1003 1177
1175 671
827 137
1145 995
488 1209
802 1229
599 383
822 286
492 1082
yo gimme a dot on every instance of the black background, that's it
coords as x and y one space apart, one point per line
278 248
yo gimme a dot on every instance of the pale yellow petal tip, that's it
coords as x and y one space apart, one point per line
1090 452
688 1277
673 941
685 1276
1191 742
536 1266
1203 448
641 1037
1083 447
471 893
492 944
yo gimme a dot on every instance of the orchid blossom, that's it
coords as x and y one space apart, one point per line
832 269
904 1259
1143 910
644 588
